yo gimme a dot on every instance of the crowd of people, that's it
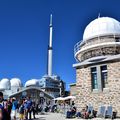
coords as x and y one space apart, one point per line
9 108
27 109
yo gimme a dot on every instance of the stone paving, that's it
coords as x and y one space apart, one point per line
58 116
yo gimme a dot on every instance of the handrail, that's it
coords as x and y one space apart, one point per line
77 47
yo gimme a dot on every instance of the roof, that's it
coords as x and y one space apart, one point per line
32 82
5 84
15 82
101 26
31 87
72 84
98 59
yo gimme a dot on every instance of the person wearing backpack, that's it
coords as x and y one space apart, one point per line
21 111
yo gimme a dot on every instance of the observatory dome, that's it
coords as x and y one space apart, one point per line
15 82
32 82
100 27
5 84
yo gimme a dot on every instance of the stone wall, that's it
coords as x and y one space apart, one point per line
99 52
109 96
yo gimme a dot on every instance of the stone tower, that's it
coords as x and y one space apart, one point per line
98 64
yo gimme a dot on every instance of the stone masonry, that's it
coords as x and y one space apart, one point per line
109 95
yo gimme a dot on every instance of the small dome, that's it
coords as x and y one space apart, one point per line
15 82
32 82
5 84
101 26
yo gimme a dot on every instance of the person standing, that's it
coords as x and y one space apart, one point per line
2 117
9 106
14 109
21 111
25 110
34 109
29 107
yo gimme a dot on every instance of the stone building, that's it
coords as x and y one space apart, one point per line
98 64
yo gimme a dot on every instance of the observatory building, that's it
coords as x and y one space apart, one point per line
14 88
8 87
98 64
50 85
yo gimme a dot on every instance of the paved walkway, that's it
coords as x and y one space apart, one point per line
58 116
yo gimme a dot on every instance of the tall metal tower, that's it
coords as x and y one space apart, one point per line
49 69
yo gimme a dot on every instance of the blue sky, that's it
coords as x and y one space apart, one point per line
24 34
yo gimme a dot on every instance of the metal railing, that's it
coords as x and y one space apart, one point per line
77 47
79 44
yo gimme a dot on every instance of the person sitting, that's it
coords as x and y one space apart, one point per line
68 114
73 110
88 112
84 113
71 113
78 114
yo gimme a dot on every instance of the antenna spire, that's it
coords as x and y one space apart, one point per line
50 49
51 20
98 15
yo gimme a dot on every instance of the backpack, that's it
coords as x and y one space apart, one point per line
21 109
2 106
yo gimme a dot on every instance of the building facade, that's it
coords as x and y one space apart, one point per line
53 85
98 64
35 93
73 91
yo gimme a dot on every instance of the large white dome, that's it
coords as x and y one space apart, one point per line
32 82
5 84
15 82
101 26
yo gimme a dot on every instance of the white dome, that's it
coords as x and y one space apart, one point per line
15 82
32 82
101 26
5 84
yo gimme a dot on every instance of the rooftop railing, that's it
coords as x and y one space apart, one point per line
78 46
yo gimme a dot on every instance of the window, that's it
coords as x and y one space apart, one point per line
104 76
94 78
99 77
